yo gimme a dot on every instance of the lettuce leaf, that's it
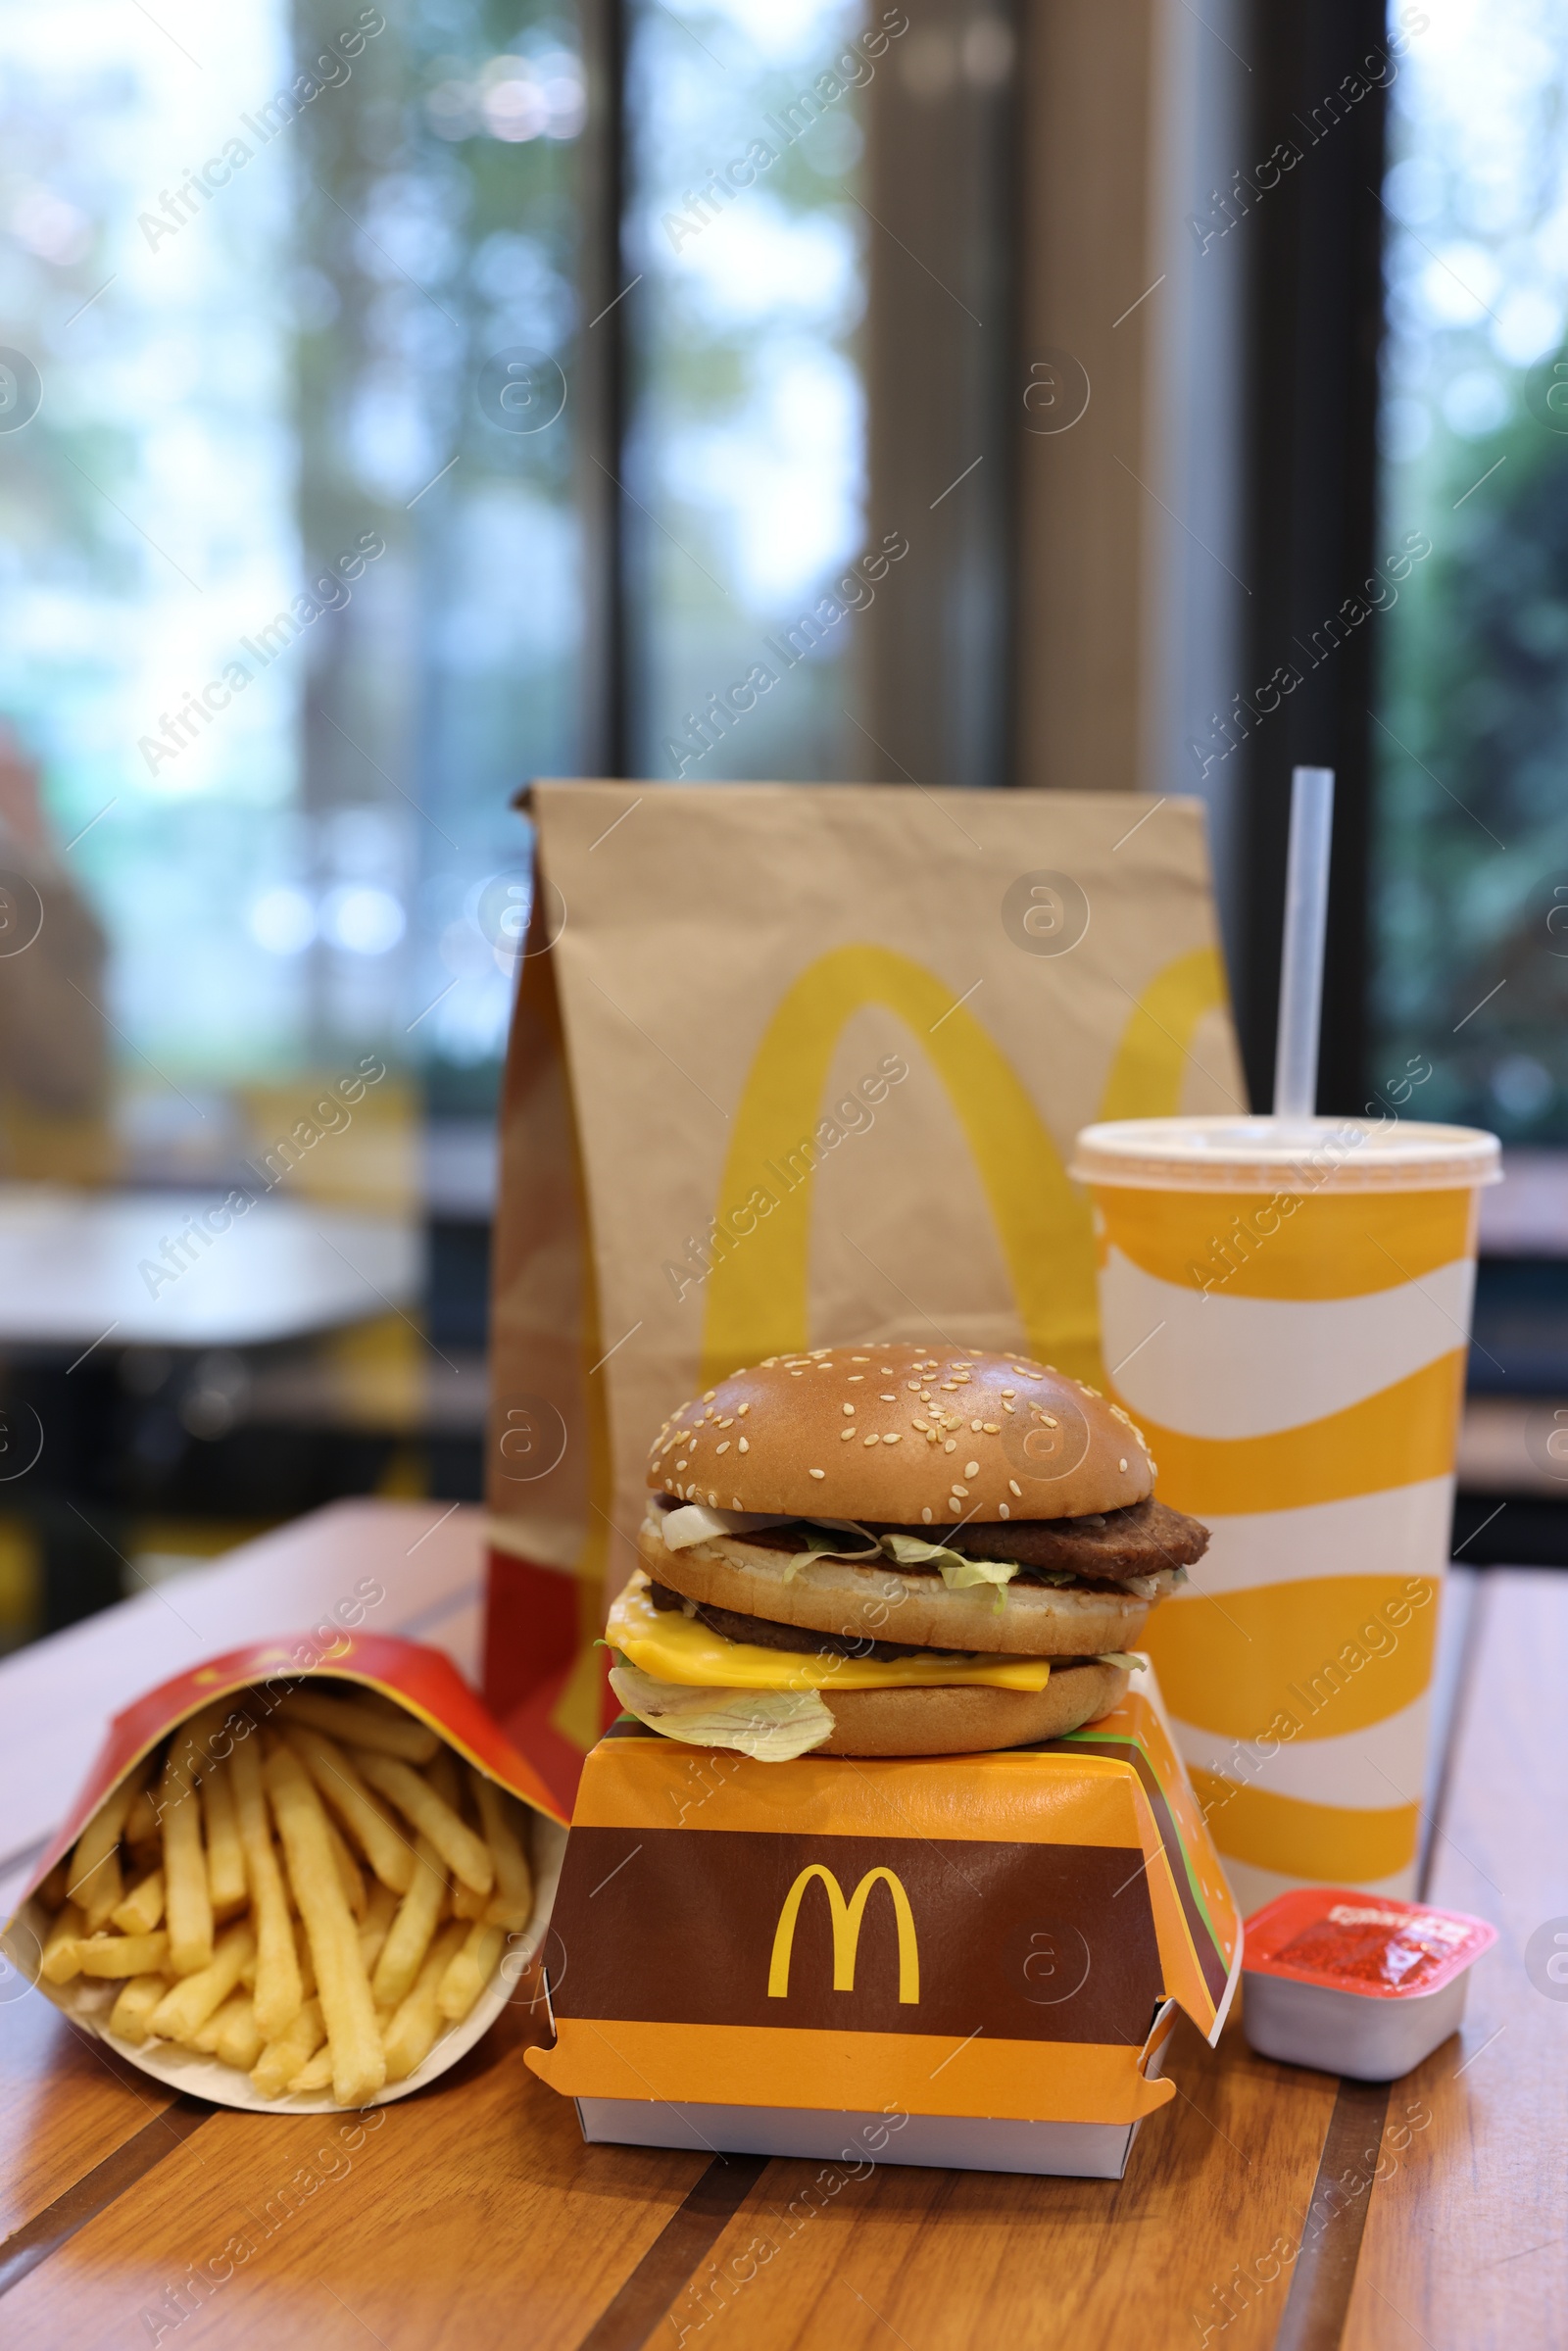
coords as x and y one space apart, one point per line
960 1573
772 1724
823 1542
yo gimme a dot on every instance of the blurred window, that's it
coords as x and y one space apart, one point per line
1470 875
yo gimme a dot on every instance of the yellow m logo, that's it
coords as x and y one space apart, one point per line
756 1299
847 1918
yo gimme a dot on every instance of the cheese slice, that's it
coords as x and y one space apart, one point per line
670 1647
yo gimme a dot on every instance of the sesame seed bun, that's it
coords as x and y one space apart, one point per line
884 1602
896 1433
969 1721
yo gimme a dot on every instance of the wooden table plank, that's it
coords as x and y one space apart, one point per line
961 2261
468 2215
1466 2246
69 2103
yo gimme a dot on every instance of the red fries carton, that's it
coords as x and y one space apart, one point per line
965 1960
420 1682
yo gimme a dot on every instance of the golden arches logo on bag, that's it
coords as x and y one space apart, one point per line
758 1302
846 1918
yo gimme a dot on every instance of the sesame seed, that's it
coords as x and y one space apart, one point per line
1003 1507
1013 1486
891 1437
1049 1422
993 1428
921 1425
949 1445
681 1463
855 1375
913 1386
744 1445
724 1449
734 1502
926 1514
971 1469
846 1408
930 1437
708 1395
742 1410
954 1505
890 1400
713 1502
871 1440
1121 1464
818 1473
964 1490
1010 1407
729 1423
859 1358
845 1434
798 1375
824 1367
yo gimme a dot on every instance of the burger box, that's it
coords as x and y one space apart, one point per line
970 1961
422 1681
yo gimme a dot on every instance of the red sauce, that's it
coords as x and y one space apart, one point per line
1374 1947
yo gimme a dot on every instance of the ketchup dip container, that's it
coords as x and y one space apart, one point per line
1357 1984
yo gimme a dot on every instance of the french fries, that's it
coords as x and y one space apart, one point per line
359 2061
193 1999
142 1908
411 2035
312 1899
62 1946
279 1994
349 1874
241 2042
131 2013
122 1954
225 1858
470 1970
281 2059
408 1936
465 1855
187 1903
94 1880
512 1903
386 1848
356 1721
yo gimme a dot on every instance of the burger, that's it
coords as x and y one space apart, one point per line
878 1550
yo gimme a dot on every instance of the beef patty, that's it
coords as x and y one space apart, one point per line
1104 1547
763 1634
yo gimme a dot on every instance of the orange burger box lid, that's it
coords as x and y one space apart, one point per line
423 1682
966 1961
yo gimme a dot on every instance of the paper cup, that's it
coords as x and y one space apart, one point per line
1285 1311
422 1681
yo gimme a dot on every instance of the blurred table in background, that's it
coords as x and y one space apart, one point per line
169 1359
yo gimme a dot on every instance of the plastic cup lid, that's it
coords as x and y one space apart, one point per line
1374 1945
1286 1154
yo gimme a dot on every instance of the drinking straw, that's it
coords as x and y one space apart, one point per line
1306 906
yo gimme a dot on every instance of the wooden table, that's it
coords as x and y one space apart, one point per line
472 2215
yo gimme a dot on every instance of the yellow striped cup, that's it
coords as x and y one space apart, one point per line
1285 1310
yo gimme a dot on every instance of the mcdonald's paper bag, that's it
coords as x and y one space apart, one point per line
972 1960
795 1065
